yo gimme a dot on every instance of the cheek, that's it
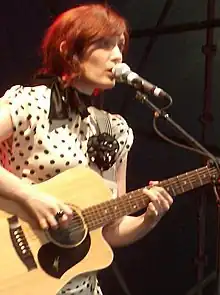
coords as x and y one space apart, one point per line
93 68
97 60
95 65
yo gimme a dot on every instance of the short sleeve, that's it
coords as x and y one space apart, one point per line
19 106
124 135
22 106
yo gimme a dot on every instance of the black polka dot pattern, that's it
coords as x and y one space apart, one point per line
82 285
43 148
124 135
66 139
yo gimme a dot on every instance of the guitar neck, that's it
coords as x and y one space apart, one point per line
101 214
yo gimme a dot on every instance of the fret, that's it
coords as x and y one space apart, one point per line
211 176
93 212
200 180
167 184
175 186
103 211
96 210
180 183
204 176
143 200
129 200
108 211
173 190
188 178
134 205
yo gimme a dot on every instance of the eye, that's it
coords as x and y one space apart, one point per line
110 43
107 43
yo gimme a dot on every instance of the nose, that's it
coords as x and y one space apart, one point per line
116 54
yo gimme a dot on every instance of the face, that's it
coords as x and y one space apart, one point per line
98 61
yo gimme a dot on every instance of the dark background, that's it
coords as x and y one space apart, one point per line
167 260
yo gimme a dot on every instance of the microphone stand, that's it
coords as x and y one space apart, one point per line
216 182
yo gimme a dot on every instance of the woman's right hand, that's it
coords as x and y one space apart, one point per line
45 207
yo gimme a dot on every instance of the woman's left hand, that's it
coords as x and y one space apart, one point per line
160 202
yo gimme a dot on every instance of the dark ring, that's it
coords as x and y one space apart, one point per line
59 215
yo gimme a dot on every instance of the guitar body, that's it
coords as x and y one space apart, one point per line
37 262
30 262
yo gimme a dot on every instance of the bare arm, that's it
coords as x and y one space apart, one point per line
129 229
11 187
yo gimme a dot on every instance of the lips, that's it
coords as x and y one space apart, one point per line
110 74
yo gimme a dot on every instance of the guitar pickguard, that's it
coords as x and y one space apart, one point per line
56 260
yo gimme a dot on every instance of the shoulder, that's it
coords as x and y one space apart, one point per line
120 131
23 97
120 127
123 133
25 92
22 102
119 124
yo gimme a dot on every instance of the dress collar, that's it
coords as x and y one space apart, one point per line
64 101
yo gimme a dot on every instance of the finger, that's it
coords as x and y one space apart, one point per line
153 195
156 195
64 221
43 223
54 209
153 182
165 206
64 218
157 206
152 211
168 197
52 221
164 194
67 209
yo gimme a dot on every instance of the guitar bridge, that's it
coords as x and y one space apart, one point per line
20 243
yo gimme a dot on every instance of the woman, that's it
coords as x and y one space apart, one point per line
45 129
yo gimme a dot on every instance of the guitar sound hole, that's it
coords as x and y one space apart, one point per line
70 236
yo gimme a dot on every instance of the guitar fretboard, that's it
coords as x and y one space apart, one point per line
106 212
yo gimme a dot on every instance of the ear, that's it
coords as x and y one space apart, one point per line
63 48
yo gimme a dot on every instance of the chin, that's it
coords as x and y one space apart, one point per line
108 85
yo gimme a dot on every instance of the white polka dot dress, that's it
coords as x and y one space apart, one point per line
42 148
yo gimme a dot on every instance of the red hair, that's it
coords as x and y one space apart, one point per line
79 27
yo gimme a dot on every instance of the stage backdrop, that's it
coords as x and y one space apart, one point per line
164 262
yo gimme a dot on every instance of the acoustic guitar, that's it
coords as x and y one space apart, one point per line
35 261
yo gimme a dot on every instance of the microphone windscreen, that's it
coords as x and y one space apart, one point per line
120 69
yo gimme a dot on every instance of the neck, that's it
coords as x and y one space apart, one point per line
83 88
80 86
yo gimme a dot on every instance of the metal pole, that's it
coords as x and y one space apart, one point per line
209 50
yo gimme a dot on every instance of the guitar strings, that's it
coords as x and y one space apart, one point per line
95 209
90 214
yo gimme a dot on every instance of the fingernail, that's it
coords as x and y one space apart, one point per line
64 218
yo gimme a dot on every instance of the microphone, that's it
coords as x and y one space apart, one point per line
123 74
